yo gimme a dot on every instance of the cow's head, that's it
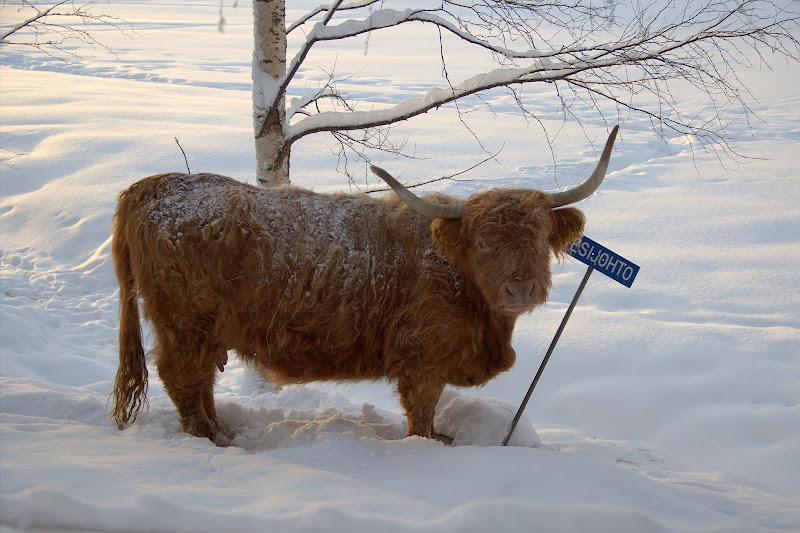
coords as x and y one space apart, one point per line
502 239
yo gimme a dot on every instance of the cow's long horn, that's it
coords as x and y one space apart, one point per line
585 189
416 203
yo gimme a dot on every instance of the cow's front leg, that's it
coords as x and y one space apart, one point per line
419 401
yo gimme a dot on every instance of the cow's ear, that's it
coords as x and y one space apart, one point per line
568 225
446 233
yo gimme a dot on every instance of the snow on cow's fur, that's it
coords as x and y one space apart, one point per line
309 287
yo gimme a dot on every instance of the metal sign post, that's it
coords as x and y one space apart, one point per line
596 257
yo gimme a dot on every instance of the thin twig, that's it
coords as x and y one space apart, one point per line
184 156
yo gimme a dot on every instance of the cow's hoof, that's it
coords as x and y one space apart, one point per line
222 440
443 438
222 437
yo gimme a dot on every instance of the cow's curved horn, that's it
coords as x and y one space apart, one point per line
416 203
585 189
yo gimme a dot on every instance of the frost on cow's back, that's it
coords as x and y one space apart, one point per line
313 240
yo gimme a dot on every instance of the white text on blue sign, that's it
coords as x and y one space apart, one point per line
603 260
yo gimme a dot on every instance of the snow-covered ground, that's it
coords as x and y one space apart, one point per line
670 406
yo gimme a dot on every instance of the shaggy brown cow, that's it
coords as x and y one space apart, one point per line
313 287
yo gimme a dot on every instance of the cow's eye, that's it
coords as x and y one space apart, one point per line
480 244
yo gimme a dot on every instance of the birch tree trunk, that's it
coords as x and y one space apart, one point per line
269 65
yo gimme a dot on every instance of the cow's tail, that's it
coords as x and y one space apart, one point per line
130 383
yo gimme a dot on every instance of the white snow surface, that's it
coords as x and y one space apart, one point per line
670 406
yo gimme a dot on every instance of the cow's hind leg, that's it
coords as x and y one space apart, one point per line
188 374
419 402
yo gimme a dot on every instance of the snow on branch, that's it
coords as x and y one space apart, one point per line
387 18
326 8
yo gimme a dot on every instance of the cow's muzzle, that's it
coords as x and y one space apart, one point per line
519 296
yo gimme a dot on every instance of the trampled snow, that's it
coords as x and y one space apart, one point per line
670 406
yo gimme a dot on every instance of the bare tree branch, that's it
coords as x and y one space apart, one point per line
50 29
490 157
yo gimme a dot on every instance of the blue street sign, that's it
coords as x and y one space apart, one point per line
603 260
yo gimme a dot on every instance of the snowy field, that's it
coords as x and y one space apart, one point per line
670 406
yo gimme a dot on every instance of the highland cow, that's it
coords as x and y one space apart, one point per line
309 287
